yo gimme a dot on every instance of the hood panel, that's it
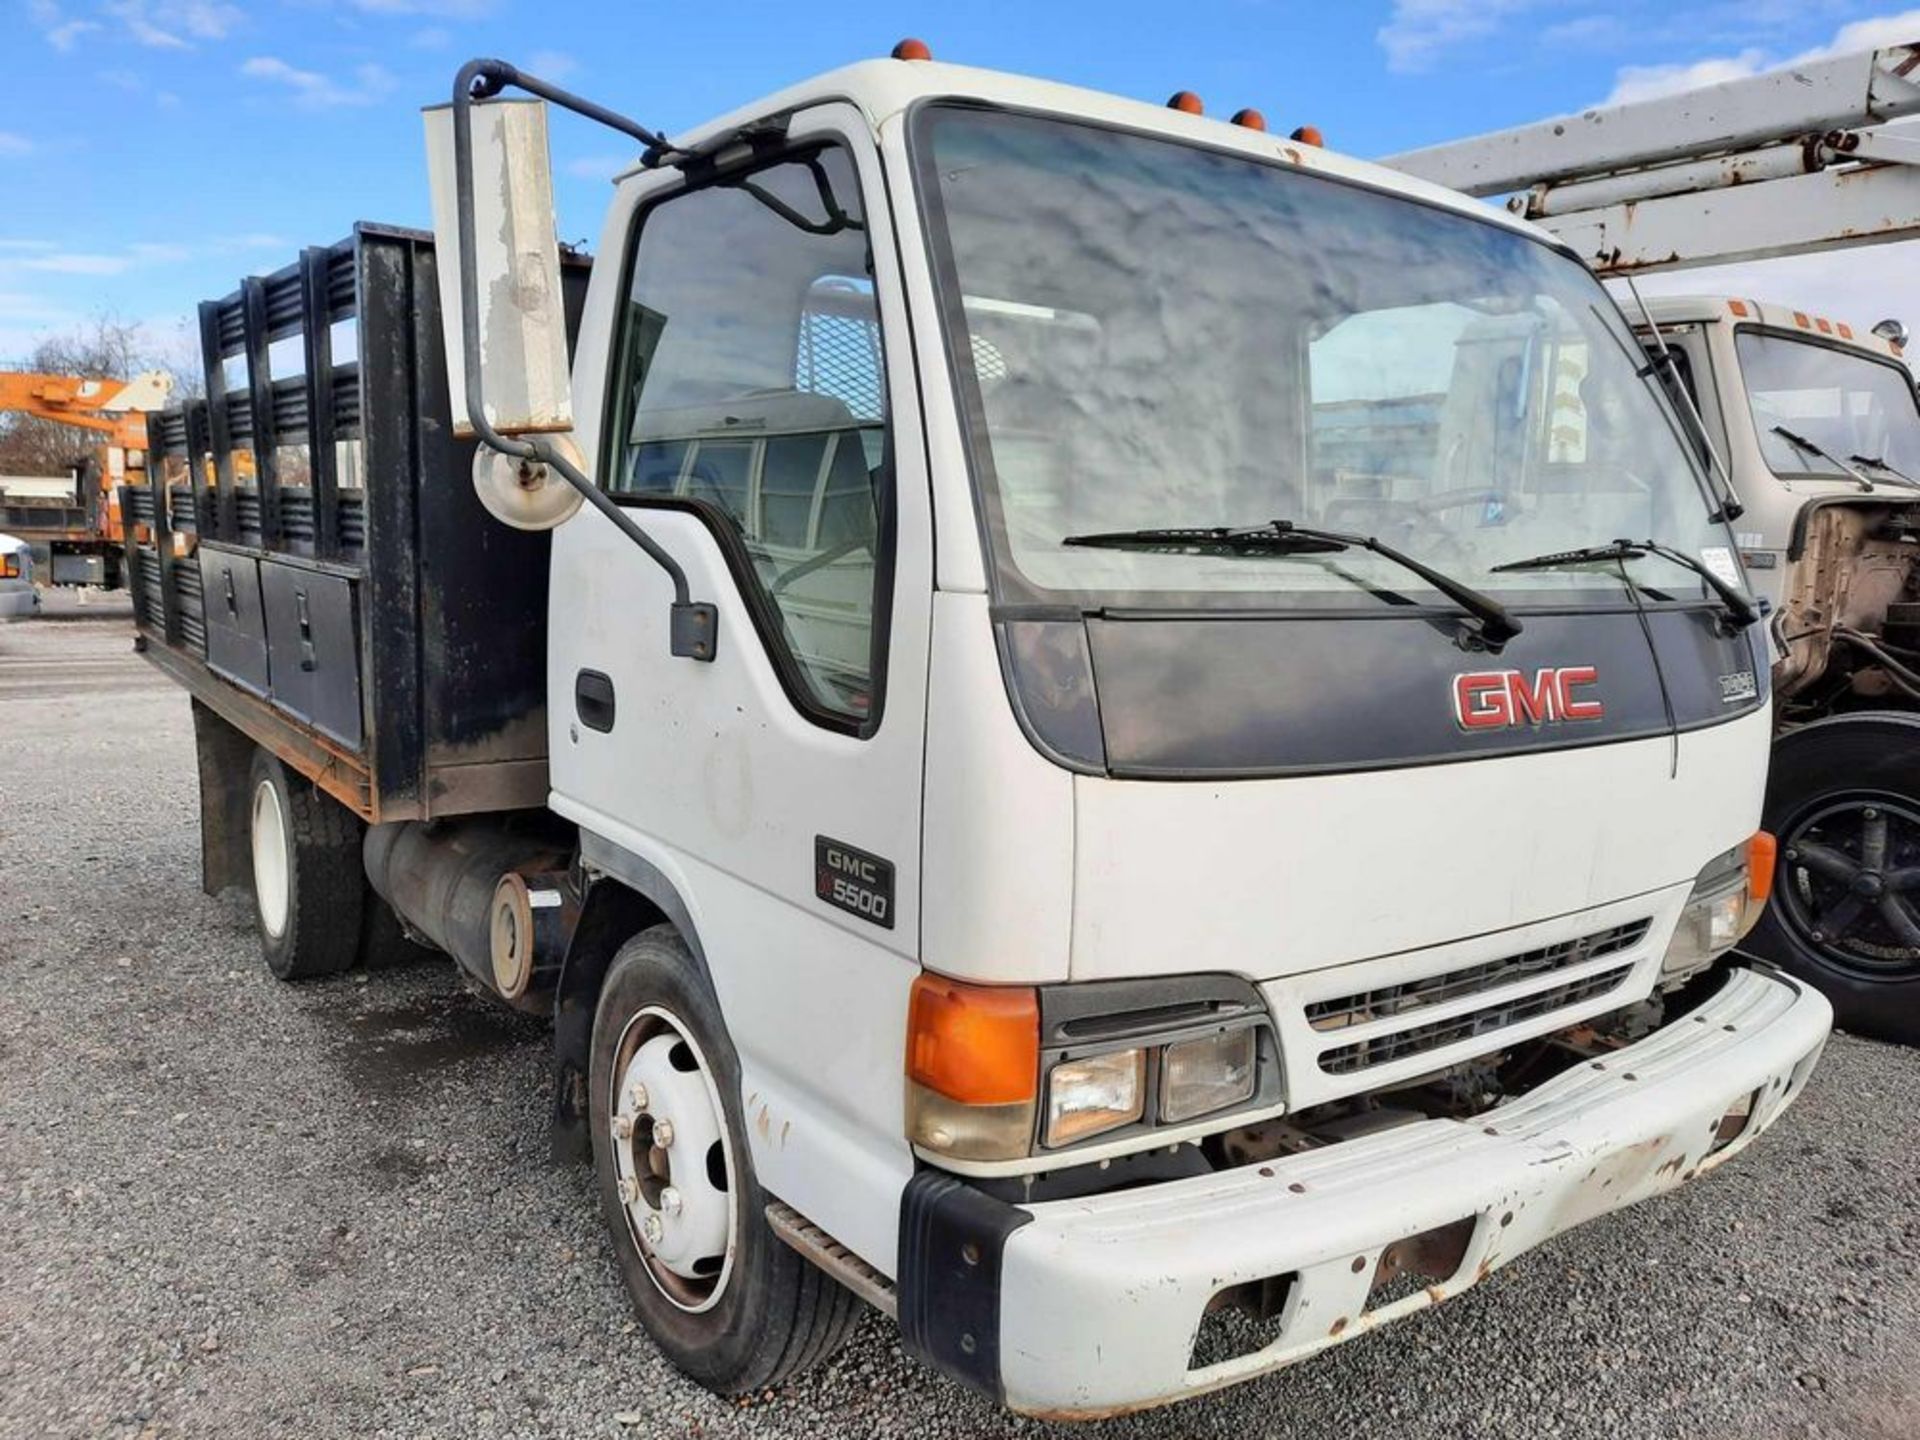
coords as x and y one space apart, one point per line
1276 877
1205 697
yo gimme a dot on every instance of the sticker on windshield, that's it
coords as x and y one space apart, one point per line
1719 560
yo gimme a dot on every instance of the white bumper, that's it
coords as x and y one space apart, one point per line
1101 1298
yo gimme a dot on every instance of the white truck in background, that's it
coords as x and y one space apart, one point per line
1028 800
1814 422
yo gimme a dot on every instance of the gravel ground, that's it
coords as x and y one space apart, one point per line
230 1207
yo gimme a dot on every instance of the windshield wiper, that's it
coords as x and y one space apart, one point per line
1283 537
1814 447
1740 609
1879 462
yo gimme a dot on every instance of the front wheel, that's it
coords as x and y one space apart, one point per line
728 1302
1843 802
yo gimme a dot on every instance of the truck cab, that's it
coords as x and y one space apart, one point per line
1096 794
1818 424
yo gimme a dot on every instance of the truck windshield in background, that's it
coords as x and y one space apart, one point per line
1150 334
1857 409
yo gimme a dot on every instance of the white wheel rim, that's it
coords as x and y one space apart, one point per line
270 858
682 1222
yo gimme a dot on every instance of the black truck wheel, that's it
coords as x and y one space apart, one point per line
722 1296
1843 802
308 885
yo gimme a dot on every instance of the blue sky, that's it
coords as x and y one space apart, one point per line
152 151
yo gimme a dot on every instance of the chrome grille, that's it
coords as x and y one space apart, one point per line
1391 1000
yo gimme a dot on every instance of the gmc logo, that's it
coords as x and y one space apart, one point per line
1500 699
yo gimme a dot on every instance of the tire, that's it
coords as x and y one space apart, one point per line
308 885
1843 802
737 1322
384 942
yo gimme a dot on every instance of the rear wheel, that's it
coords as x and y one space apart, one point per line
1844 804
730 1304
308 885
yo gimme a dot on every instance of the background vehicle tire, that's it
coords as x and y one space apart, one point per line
1844 803
308 884
663 1066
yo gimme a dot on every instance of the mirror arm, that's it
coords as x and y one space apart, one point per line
694 626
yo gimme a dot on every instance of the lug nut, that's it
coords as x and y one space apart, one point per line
639 1094
670 1201
663 1133
623 1126
1869 813
1792 854
651 1229
629 1190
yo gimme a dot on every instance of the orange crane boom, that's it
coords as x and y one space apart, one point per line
83 540
115 409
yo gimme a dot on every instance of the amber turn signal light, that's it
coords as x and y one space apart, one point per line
1761 852
978 1044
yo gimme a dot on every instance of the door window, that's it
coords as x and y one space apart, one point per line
752 387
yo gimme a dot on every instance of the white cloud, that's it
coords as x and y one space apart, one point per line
60 32
1647 82
599 167
315 91
1418 30
64 35
449 9
12 144
551 64
175 24
74 263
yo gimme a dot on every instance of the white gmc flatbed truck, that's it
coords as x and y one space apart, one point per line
1033 724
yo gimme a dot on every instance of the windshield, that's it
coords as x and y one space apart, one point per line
1846 403
1150 334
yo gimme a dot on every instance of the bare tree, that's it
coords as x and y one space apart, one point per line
107 348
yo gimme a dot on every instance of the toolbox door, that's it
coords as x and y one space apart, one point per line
236 622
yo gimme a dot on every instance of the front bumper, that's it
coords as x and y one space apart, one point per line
1099 1300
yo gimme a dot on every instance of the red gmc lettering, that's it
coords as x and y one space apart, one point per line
1500 699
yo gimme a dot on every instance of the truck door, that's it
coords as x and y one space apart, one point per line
745 383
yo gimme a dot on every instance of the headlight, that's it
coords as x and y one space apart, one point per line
1198 1077
1728 897
1092 1096
999 1072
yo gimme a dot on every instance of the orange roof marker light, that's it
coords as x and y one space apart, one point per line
912 50
1738 307
1186 102
1250 119
1310 135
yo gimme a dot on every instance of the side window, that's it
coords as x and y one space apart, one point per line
752 382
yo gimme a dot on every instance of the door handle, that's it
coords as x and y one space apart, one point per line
307 660
593 700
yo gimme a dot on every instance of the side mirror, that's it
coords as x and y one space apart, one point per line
519 321
523 380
